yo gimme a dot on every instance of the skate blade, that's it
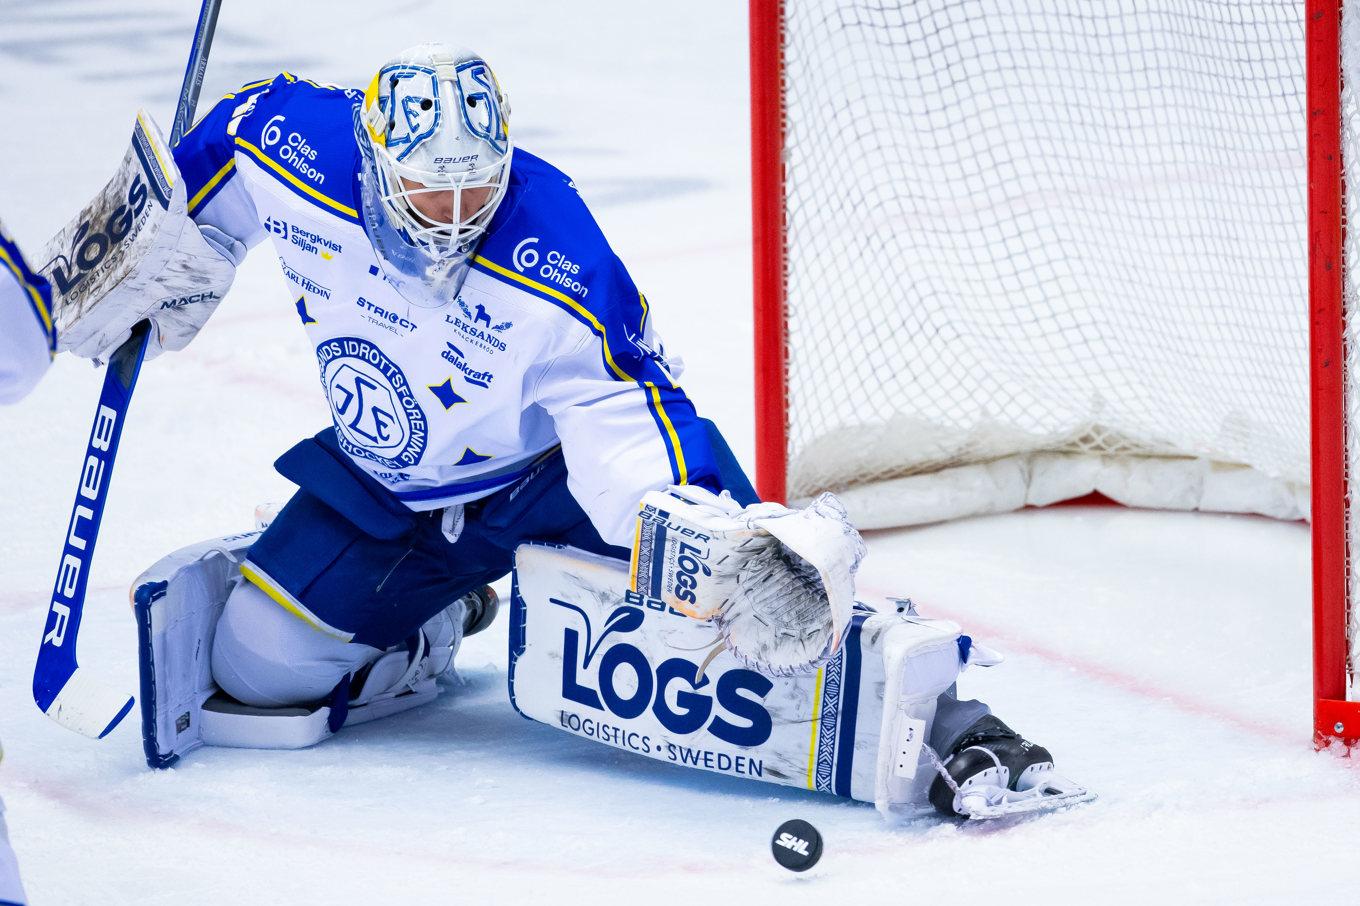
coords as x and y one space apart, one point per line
984 803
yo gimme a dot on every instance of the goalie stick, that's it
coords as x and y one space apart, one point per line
61 689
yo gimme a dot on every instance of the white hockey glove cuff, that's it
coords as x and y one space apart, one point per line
778 583
134 253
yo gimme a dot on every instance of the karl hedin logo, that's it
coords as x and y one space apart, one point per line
556 268
376 415
295 152
738 694
302 280
308 241
478 328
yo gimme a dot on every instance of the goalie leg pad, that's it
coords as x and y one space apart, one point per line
267 657
177 604
597 659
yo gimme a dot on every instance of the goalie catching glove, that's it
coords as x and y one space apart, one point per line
778 583
134 254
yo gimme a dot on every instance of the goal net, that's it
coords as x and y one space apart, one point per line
1011 252
1019 227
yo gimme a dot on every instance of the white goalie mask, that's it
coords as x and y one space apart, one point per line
435 136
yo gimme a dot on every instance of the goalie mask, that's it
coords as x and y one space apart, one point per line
435 138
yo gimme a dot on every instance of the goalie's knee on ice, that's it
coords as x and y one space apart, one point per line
266 657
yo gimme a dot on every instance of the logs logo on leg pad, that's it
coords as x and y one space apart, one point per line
602 672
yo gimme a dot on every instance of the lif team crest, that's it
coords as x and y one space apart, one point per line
376 414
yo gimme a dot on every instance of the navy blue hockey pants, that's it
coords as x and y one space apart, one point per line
362 562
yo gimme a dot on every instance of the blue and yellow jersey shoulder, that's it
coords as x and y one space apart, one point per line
35 289
299 132
545 241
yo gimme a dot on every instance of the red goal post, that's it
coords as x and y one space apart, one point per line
1209 193
1334 716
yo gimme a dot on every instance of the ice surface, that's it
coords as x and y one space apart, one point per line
1163 657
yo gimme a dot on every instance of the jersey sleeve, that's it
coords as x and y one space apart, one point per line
206 157
626 426
28 335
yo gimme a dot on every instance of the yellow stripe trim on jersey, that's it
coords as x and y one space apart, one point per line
295 182
43 314
290 604
670 432
816 719
252 85
211 184
566 300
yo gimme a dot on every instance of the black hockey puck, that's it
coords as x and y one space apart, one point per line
796 845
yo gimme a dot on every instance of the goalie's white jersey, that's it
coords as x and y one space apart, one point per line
548 341
28 338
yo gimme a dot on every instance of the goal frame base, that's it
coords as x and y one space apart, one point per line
1336 722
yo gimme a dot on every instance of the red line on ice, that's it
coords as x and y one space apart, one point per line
1110 676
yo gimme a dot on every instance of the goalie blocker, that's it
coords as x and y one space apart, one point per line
133 253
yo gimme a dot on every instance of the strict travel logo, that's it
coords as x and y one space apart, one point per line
388 320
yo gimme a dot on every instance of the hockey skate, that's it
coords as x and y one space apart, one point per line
444 632
994 772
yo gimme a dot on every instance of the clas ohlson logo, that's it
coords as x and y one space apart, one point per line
293 150
553 266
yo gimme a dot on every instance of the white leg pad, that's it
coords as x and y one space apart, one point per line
177 602
597 659
920 661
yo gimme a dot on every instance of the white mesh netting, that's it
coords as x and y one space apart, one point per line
1025 240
